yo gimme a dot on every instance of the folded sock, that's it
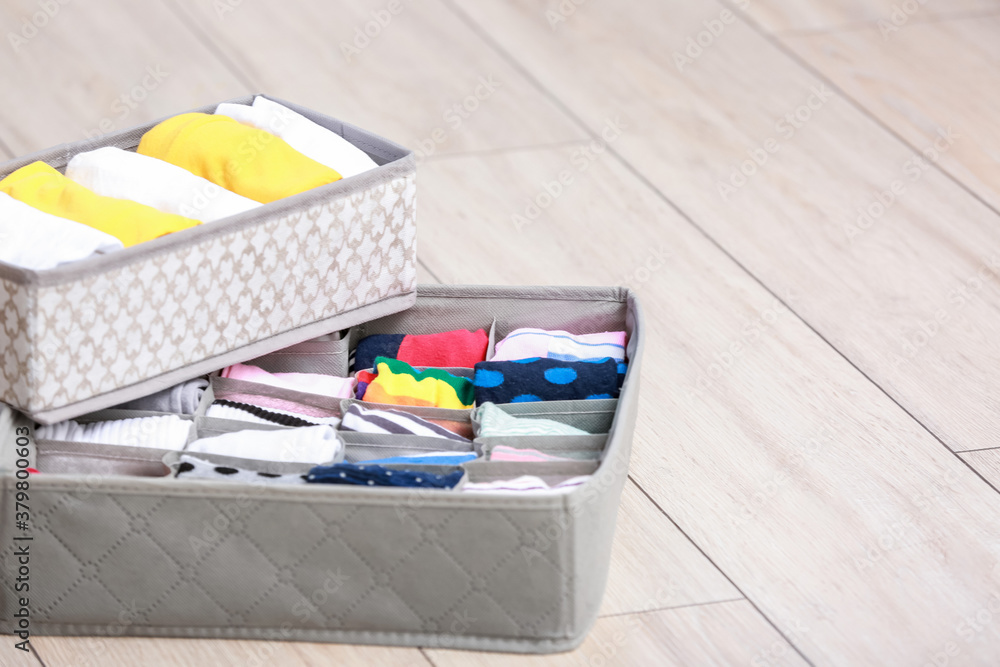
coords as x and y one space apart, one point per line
505 453
398 383
309 444
224 409
191 467
451 349
531 343
182 399
113 172
365 420
430 458
237 157
284 406
161 432
363 378
545 380
524 483
310 383
363 474
312 140
44 188
495 422
33 239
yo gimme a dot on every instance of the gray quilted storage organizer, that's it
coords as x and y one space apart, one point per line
100 331
524 572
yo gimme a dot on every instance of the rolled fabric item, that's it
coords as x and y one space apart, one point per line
39 185
161 432
113 172
398 383
240 158
365 420
182 398
309 444
33 239
363 474
247 412
524 483
192 467
451 349
545 380
505 453
495 422
363 378
310 383
310 139
430 458
531 343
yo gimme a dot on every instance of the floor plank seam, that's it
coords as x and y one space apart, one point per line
5 147
649 184
427 657
672 608
855 26
212 46
429 270
981 449
850 99
720 570
34 652
508 149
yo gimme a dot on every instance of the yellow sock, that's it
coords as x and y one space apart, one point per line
44 188
237 157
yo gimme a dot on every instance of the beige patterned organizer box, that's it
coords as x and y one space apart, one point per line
109 328
113 554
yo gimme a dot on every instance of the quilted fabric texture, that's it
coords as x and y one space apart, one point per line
72 341
175 563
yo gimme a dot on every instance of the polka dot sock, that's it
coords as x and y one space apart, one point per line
545 380
191 467
375 475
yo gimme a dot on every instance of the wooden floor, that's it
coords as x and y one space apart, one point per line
805 196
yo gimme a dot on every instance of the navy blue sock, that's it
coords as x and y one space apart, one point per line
377 345
545 380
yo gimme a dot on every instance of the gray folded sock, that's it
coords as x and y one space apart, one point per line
182 399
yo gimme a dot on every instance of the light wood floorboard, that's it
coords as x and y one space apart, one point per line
886 293
95 69
821 16
723 634
404 84
907 84
789 469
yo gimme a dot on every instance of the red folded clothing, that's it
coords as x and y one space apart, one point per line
451 349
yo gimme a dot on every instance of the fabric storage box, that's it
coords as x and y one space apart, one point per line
148 556
94 333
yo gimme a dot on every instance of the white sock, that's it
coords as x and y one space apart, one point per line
113 172
305 136
306 444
